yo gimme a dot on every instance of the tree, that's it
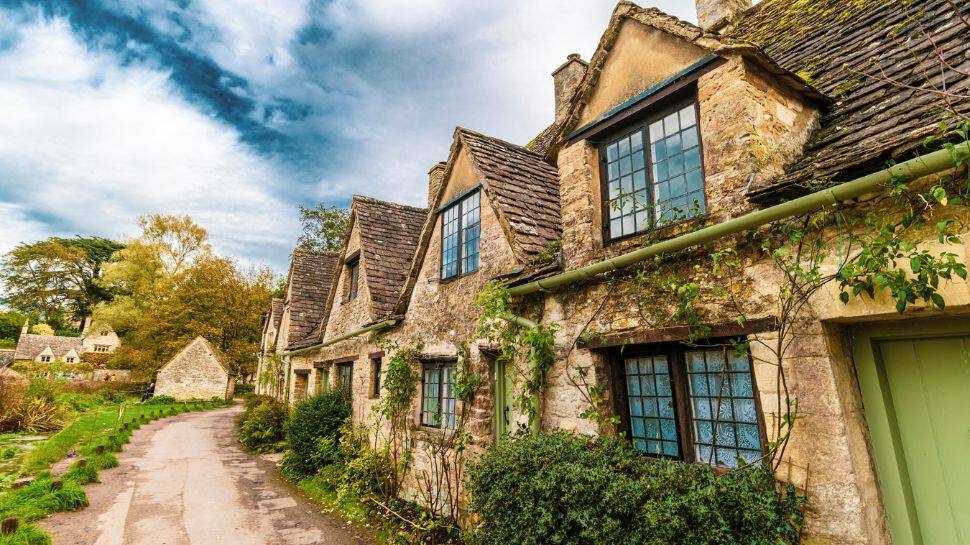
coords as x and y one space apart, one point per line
148 268
172 288
57 278
42 329
10 323
324 227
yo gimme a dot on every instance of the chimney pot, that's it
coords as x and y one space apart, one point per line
565 80
714 15
435 179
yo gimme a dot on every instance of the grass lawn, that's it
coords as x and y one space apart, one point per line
95 437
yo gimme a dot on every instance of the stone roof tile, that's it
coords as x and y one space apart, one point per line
523 187
311 275
29 346
389 235
848 49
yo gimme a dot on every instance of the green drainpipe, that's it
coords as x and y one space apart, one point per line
925 165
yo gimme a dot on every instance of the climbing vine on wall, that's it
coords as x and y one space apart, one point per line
530 350
399 382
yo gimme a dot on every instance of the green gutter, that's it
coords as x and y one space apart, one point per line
924 165
376 327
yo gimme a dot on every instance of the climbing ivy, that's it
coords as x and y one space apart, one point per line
529 350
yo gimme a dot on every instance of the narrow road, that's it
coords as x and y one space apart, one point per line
184 481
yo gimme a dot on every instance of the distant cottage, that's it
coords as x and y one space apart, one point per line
198 371
95 338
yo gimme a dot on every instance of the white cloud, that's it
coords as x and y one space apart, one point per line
15 226
91 144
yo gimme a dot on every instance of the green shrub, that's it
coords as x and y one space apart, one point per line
563 489
313 432
244 389
364 471
261 427
161 400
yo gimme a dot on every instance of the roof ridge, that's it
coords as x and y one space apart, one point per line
495 139
322 253
365 198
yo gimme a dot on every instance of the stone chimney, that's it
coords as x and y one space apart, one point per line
26 329
565 80
715 14
435 178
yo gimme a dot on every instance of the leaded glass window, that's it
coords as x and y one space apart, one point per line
438 396
647 186
694 404
460 233
626 175
723 409
675 161
653 422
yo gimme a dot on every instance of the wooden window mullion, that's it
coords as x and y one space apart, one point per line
682 400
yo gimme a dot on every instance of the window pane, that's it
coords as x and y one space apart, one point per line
470 232
430 404
354 270
676 154
723 411
448 397
449 242
653 426
626 178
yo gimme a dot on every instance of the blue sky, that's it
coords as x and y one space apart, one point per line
236 112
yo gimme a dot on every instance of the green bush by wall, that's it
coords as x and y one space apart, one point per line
313 432
564 489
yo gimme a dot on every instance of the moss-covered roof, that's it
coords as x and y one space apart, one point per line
876 59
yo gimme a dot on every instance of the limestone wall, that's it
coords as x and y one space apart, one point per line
192 374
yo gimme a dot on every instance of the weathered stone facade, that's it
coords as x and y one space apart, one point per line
756 118
196 372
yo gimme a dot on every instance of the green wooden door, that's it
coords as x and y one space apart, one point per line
915 380
504 392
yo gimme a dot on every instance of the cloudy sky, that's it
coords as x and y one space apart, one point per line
238 111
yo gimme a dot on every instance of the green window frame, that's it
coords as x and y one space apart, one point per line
652 174
438 401
460 236
694 404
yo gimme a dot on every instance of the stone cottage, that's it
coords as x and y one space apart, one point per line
95 339
266 379
686 343
295 322
198 371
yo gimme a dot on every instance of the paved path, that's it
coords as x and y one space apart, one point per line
184 481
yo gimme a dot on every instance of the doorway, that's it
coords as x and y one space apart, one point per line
915 382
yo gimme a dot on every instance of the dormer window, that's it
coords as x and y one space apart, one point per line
652 174
45 359
353 275
460 230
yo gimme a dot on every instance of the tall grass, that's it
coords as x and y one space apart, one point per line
31 408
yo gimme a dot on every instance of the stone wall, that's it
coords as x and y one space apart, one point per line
194 373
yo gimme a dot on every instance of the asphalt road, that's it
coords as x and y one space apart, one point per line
184 481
